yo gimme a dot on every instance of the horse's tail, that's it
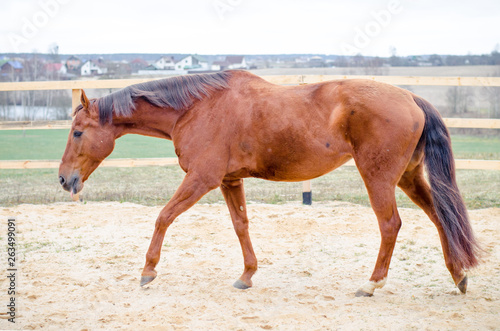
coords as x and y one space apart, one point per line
448 203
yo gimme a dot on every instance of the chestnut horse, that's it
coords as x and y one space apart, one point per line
232 125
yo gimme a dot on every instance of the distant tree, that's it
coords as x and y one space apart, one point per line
394 61
495 58
61 106
54 53
374 66
436 60
460 99
492 94
358 60
50 104
5 109
33 67
454 60
341 61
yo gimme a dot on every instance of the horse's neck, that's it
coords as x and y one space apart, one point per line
148 120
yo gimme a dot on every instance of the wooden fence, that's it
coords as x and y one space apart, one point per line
77 85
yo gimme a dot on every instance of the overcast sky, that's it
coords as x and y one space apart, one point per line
378 27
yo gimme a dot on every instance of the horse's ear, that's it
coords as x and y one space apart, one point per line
84 100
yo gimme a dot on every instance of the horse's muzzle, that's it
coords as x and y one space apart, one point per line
71 184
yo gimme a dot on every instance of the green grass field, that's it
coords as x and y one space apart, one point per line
155 185
50 145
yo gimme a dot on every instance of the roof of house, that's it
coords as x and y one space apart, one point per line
233 59
99 63
138 60
199 58
53 66
14 64
73 58
224 63
169 58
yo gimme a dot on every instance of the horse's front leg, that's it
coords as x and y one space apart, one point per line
235 198
192 189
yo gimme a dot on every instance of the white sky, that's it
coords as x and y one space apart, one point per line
251 26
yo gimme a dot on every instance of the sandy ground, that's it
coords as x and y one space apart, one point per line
79 268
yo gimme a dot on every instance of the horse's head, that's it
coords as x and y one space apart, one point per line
89 143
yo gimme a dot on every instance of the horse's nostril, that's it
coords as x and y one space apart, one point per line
62 180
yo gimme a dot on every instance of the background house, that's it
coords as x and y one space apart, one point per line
73 65
55 70
230 62
12 70
138 64
165 63
192 62
118 68
93 67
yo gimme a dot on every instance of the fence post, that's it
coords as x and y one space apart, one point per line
75 98
306 185
306 193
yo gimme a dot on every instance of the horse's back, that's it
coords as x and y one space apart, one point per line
340 113
293 133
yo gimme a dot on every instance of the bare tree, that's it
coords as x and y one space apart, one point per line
492 95
54 53
460 99
374 66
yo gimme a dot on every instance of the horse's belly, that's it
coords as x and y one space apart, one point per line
293 169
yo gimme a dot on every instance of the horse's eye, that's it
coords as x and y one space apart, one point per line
77 134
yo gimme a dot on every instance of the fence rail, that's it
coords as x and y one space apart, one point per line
276 79
77 85
116 163
34 125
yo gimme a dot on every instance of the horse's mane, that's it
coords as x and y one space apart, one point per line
177 92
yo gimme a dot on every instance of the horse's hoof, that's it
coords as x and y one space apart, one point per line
361 293
239 284
369 287
146 280
462 286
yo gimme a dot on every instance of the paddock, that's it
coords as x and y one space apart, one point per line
80 265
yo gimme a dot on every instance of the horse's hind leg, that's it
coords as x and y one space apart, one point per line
413 183
235 198
383 202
